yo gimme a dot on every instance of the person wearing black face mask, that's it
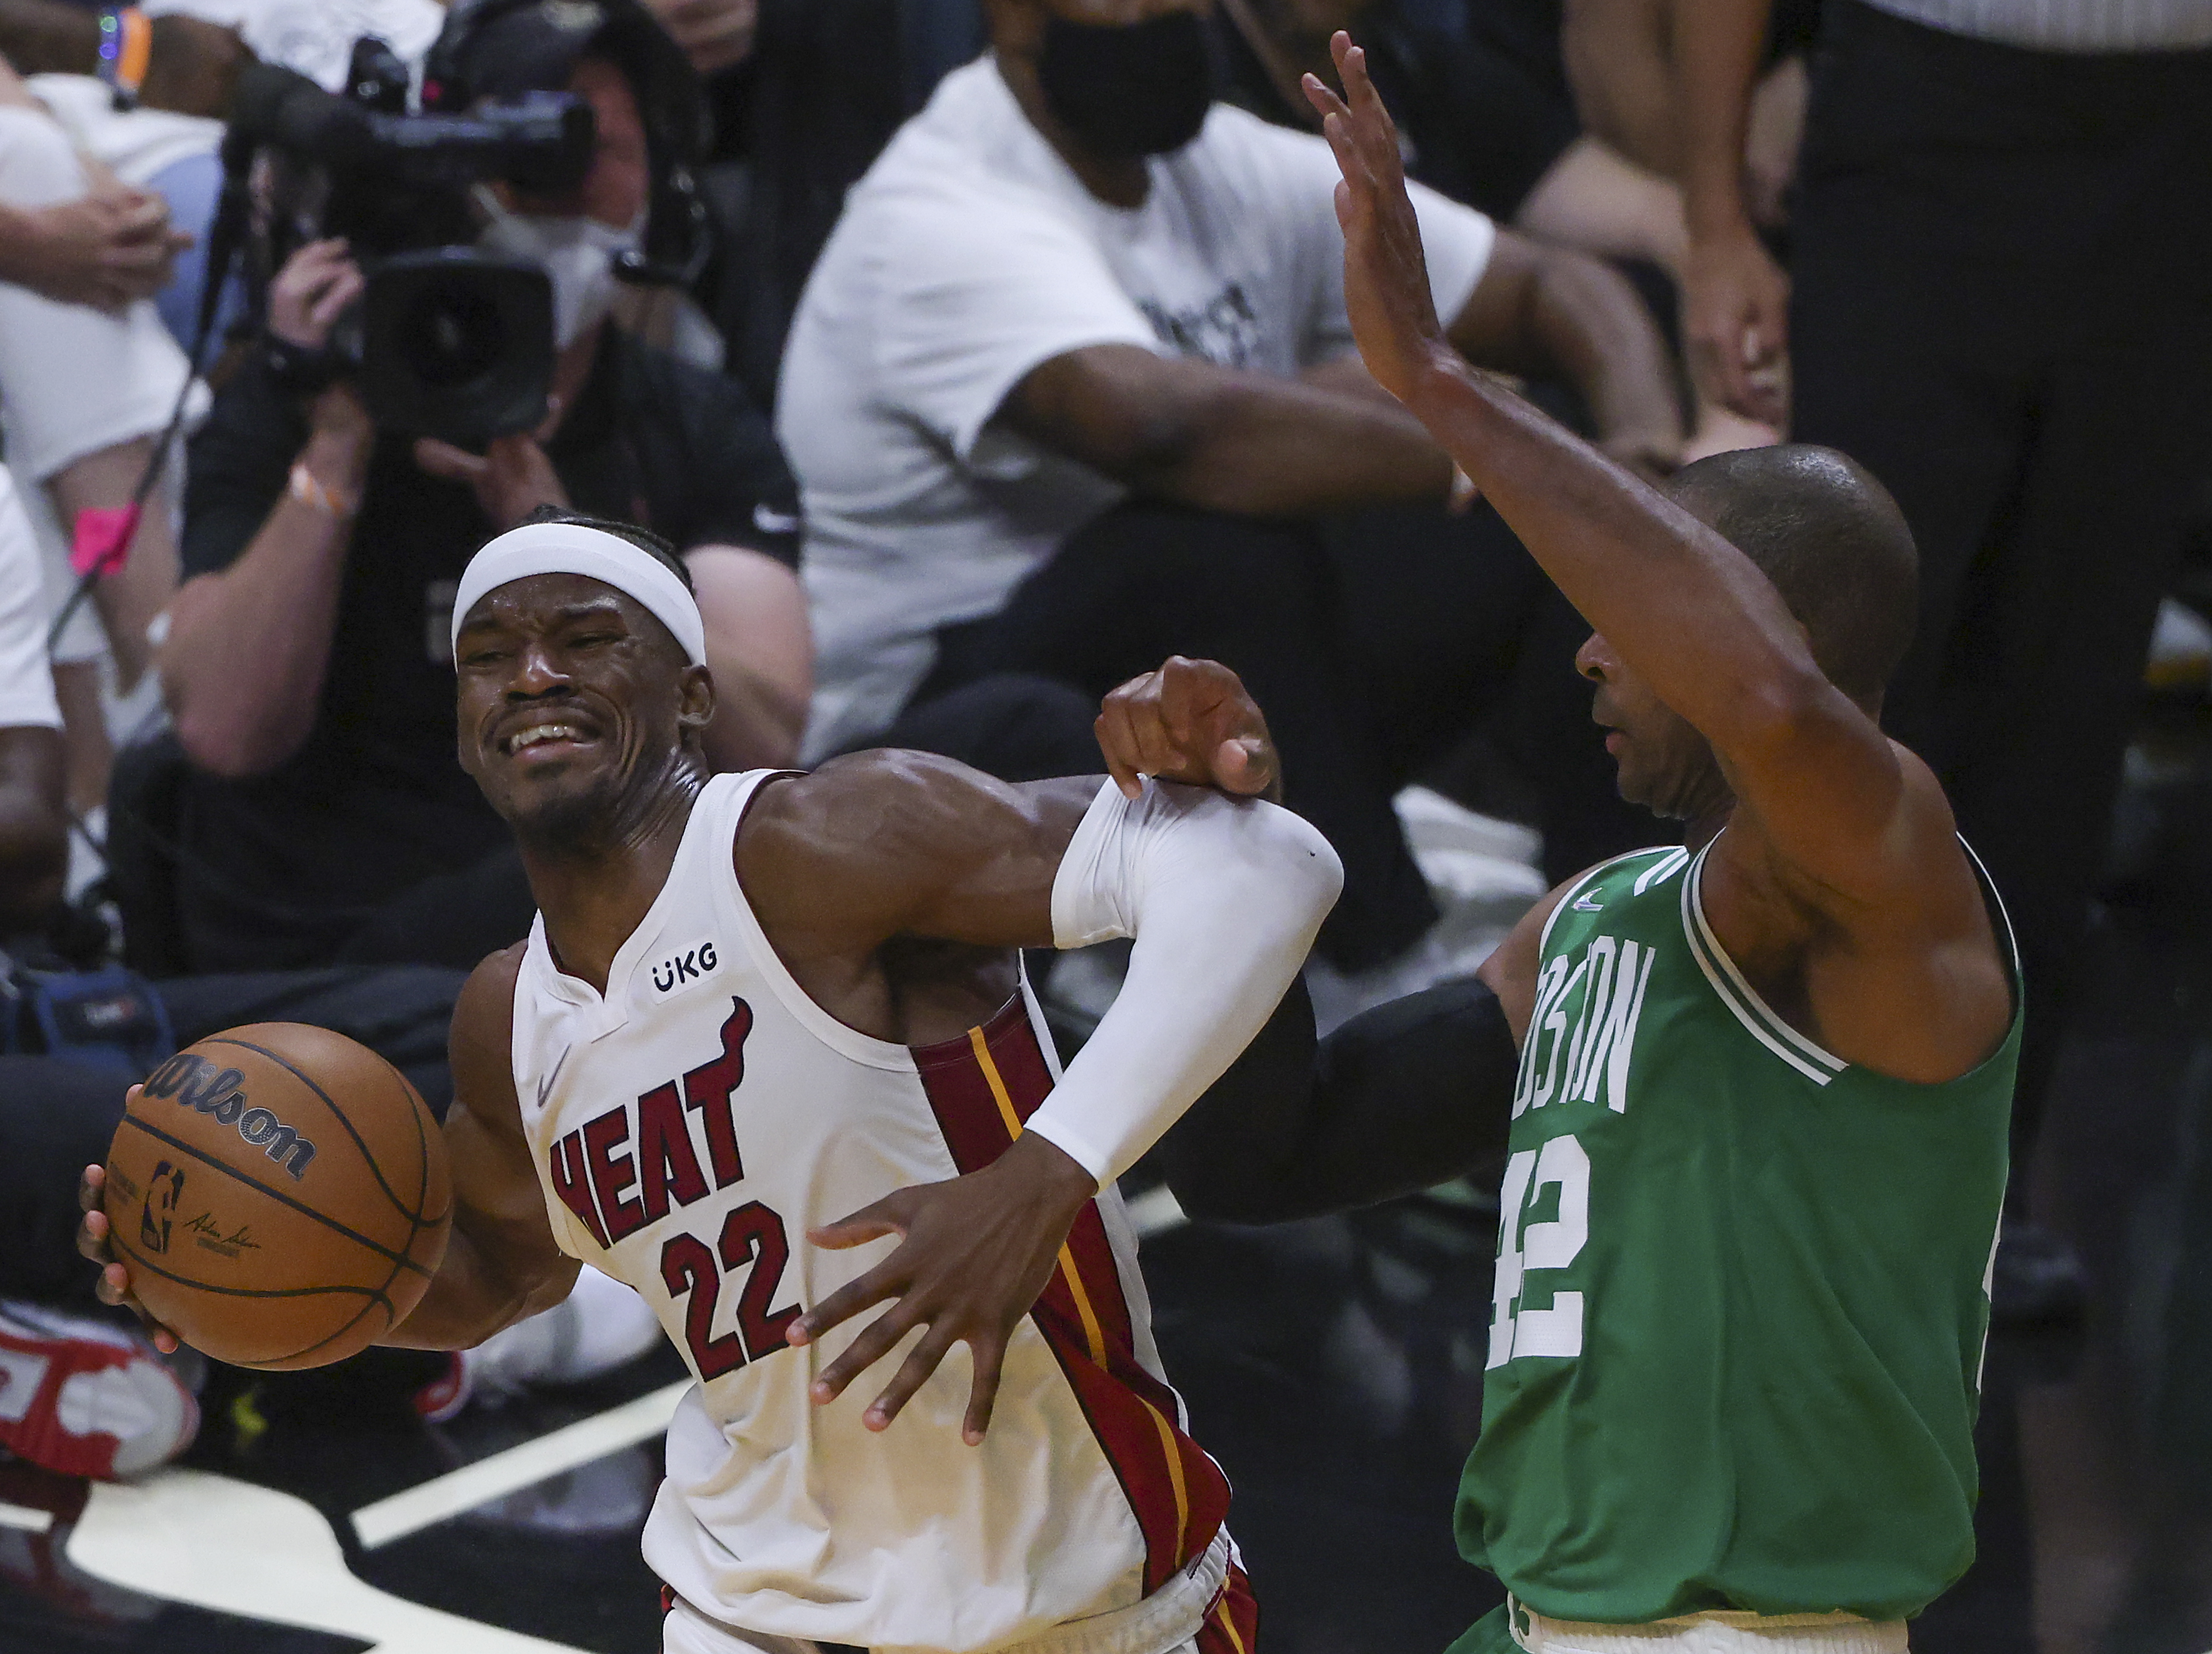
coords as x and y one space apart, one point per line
1128 90
1071 381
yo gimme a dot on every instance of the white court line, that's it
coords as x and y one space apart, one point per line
432 1502
218 1543
1155 1212
24 1517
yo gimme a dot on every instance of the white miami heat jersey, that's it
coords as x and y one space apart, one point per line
687 1127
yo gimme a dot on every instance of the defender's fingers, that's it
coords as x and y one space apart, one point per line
889 1216
876 1340
1325 102
913 1372
990 1358
887 1279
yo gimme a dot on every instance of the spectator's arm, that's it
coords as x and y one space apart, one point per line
242 667
1735 300
190 71
1543 309
34 826
761 651
1619 69
1221 438
250 633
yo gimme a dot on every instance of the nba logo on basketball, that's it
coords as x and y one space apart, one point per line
162 1192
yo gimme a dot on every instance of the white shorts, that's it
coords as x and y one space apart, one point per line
1709 1633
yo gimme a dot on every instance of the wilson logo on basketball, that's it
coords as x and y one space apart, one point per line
196 1083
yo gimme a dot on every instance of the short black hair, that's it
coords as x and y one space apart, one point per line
1827 534
643 538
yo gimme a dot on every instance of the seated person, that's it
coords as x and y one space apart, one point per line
307 665
1489 118
1071 388
88 379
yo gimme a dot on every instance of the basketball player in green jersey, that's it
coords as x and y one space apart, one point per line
1754 1135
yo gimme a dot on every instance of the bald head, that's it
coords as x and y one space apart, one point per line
1831 540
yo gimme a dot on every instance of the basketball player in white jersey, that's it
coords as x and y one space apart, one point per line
753 1004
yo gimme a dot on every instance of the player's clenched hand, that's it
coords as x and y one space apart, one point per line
977 1251
1386 278
92 1232
1190 722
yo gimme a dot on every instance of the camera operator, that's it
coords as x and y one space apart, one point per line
305 664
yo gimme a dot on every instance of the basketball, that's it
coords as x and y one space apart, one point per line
279 1194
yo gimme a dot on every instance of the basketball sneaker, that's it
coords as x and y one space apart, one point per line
86 1397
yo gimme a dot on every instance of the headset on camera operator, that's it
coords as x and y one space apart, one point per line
402 414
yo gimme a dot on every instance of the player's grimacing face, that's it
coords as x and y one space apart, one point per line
1665 764
569 693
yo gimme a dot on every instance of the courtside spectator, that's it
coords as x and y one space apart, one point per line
307 665
88 379
1072 387
1997 302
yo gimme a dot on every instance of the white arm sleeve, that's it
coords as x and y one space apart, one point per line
1223 897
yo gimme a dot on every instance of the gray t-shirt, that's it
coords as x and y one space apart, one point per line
969 255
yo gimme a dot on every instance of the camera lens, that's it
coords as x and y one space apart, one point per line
453 334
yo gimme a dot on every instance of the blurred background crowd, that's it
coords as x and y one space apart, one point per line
976 354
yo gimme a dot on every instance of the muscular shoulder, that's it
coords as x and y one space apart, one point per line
480 1046
866 844
875 814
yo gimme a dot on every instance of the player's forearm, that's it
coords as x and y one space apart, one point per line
1717 45
1684 607
1224 898
470 1297
242 668
1400 1100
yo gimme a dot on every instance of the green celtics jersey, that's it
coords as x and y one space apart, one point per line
1741 1291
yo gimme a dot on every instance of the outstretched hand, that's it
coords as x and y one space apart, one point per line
974 1253
1386 278
1190 722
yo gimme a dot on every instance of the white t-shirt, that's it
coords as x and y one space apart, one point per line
969 255
315 38
27 686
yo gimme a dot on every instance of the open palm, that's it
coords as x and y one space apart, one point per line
1386 278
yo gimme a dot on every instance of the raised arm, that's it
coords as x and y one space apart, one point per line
1856 829
502 1263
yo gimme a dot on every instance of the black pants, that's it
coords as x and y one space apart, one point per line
2003 308
1375 644
57 1116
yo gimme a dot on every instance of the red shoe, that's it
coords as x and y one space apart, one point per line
86 1398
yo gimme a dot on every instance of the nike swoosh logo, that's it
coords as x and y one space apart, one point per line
1582 904
545 1085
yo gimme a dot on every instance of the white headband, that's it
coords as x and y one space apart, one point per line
574 548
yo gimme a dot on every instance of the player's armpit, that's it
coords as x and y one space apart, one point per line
502 1263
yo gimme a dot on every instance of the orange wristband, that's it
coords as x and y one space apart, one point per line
126 47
